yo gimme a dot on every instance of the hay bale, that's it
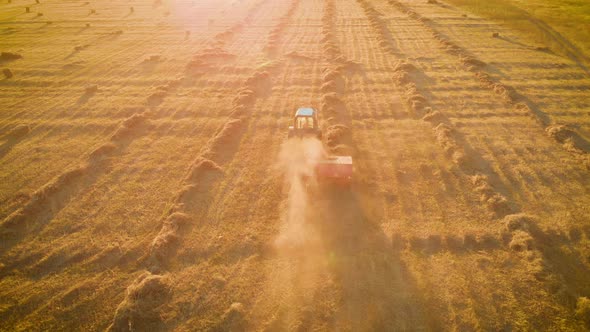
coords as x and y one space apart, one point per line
336 134
496 35
329 86
60 182
238 111
9 56
435 117
27 9
102 151
560 133
199 166
39 14
520 221
521 241
245 97
139 310
331 99
233 319
7 73
230 129
258 79
444 136
403 66
583 310
331 74
495 202
163 245
128 125
499 205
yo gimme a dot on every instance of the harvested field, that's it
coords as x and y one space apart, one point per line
147 181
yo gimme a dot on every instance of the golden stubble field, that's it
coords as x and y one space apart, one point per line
146 180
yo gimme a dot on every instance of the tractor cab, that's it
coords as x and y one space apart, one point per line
305 124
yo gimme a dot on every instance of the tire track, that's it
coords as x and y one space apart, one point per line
315 294
565 135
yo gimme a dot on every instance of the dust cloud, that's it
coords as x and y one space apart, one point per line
297 161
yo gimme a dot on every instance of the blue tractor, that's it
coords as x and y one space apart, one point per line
305 124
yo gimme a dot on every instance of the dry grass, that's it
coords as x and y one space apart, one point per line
583 310
468 210
552 23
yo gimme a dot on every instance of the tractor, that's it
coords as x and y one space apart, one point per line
336 169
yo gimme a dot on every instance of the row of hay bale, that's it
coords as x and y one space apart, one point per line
330 49
140 308
566 136
377 23
520 232
221 38
337 135
275 34
161 248
40 199
444 131
446 136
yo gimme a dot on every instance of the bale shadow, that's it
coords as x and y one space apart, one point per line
53 203
7 146
85 97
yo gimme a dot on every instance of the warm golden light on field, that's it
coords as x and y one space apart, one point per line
308 165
